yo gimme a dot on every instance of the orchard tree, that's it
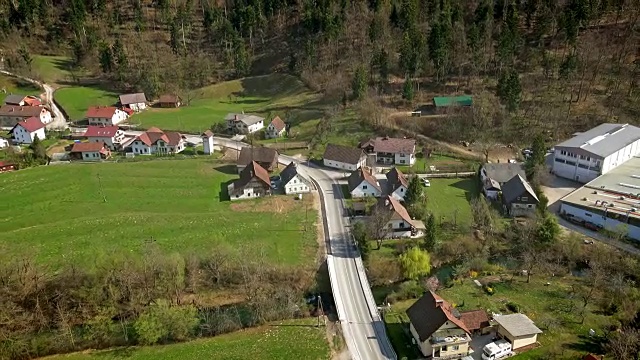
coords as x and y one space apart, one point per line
416 263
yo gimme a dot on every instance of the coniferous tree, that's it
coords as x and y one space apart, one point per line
431 235
359 83
106 59
407 90
439 48
510 90
414 192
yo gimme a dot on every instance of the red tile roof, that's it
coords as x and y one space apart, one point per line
357 177
101 131
154 134
278 123
395 178
101 111
21 111
32 101
394 145
475 319
430 312
253 170
395 206
31 124
87 147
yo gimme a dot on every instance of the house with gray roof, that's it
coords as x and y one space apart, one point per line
592 153
518 197
135 102
244 123
518 329
343 157
494 176
293 181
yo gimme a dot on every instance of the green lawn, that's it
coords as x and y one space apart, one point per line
563 336
442 163
12 85
53 69
292 339
76 100
59 213
448 199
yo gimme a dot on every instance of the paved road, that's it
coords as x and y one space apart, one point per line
59 121
362 326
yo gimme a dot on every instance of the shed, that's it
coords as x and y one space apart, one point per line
518 329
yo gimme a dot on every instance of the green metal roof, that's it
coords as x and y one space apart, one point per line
444 101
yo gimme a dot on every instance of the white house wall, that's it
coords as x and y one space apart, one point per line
365 189
606 222
208 145
45 117
91 156
22 136
399 193
247 193
296 186
405 159
340 165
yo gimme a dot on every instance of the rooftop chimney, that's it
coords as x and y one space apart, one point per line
439 301
386 202
235 117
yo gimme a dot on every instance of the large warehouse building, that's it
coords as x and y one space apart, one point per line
611 201
596 152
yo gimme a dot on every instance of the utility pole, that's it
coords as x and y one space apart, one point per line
321 312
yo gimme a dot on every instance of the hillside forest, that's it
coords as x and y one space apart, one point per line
553 66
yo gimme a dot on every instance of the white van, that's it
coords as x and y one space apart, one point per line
496 350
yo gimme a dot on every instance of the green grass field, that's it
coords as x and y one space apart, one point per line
54 69
448 199
11 85
76 100
59 215
292 339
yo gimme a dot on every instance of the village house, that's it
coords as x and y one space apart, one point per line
264 156
343 157
112 136
207 142
24 132
244 124
399 223
276 128
389 151
362 184
10 115
493 176
7 166
90 151
518 197
105 115
292 181
169 101
136 102
22 100
254 182
476 321
156 141
438 329
517 329
397 184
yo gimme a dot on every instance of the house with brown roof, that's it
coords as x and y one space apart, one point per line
264 156
400 224
105 115
438 329
10 115
276 128
254 182
90 151
169 101
397 184
476 321
22 100
156 141
343 157
389 151
135 102
24 132
362 184
293 181
112 136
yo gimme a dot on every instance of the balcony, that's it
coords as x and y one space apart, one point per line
448 337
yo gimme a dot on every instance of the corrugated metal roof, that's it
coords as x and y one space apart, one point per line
604 139
444 101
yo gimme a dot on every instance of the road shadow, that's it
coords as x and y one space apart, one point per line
228 169
223 195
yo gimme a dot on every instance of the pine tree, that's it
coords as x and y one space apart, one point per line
510 90
119 55
383 64
38 149
407 89
407 55
241 58
431 236
414 192
408 14
106 59
359 83
439 48
538 150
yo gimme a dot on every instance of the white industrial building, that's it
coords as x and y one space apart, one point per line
596 152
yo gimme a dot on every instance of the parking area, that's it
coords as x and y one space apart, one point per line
478 343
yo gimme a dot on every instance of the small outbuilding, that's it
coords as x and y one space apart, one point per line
169 101
518 329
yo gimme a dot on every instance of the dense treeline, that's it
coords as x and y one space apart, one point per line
128 300
545 60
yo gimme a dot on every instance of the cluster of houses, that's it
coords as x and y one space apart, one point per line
250 124
441 331
376 152
506 183
27 116
254 166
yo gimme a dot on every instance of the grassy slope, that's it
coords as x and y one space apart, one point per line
539 301
15 86
448 199
295 339
76 100
54 69
57 213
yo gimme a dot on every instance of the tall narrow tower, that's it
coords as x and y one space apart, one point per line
207 142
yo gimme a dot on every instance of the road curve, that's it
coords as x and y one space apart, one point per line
362 326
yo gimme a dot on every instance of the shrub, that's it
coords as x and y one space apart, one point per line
410 290
162 322
488 289
473 274
513 307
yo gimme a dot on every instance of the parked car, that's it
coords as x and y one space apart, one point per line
426 182
496 350
275 180
591 226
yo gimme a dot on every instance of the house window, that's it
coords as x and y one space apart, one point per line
587 214
530 206
444 348
401 161
525 198
456 347
364 187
